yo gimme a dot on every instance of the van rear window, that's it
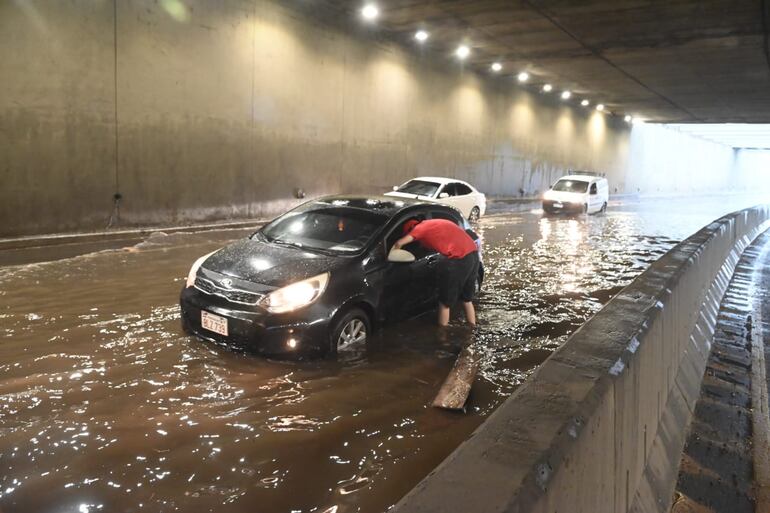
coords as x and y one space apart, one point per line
570 186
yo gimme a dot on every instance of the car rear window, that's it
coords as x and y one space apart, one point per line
570 186
419 187
325 228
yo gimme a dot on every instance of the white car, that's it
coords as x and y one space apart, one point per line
577 194
447 191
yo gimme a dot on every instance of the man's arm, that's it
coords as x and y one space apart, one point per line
403 241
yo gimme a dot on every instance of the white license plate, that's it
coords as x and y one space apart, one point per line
557 205
214 323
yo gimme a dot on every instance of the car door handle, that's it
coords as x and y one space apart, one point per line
432 260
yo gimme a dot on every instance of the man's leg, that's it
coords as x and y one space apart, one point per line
448 289
470 312
469 287
443 314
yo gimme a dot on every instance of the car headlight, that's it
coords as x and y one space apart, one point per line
194 269
296 295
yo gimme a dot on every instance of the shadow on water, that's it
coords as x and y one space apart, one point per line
106 406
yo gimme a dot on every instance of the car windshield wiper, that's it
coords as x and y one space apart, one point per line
312 249
288 243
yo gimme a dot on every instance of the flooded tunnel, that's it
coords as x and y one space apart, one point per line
107 403
612 167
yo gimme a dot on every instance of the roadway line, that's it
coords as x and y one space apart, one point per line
759 404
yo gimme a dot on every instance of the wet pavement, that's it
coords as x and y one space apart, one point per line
106 406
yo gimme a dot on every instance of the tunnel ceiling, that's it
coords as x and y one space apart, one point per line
668 61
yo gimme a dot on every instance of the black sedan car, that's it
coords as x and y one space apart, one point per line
316 279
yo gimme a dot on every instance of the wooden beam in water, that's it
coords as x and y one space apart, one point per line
454 391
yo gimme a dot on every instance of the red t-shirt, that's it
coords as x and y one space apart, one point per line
445 237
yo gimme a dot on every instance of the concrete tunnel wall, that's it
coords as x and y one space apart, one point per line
601 424
195 110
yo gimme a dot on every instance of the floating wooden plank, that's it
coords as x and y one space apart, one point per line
454 391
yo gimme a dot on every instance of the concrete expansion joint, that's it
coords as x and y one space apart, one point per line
759 393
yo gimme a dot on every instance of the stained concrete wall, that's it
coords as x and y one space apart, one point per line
601 424
752 169
194 110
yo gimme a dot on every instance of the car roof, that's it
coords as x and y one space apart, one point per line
438 179
581 178
387 205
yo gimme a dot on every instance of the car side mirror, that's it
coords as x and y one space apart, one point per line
395 187
443 195
400 255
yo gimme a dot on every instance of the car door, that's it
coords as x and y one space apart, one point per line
593 198
403 291
425 272
465 200
452 199
445 194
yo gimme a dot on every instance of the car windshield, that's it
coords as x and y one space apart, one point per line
419 187
325 227
570 186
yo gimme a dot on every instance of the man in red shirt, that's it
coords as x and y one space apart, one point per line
457 273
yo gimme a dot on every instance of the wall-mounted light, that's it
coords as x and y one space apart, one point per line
565 95
496 67
462 52
585 103
523 76
600 107
370 12
421 36
547 88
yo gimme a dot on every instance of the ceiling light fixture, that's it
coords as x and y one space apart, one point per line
585 103
370 12
421 36
600 107
628 118
462 51
547 88
565 95
523 76
496 67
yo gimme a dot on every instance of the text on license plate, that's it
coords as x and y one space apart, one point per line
557 205
214 323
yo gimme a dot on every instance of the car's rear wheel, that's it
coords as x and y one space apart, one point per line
475 214
350 330
604 208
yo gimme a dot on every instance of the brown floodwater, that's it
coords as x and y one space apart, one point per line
105 405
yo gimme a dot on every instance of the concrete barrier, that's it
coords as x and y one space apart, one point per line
601 425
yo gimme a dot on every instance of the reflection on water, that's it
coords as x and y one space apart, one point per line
106 406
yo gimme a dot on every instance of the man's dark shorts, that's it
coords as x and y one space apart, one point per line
457 279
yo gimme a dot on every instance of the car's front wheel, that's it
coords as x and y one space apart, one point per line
475 214
350 330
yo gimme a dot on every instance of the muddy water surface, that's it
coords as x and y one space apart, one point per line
106 406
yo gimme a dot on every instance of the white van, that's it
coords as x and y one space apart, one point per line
577 194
